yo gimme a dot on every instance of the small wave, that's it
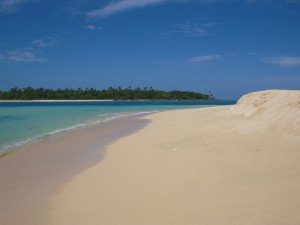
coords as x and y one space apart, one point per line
129 114
105 118
13 146
66 129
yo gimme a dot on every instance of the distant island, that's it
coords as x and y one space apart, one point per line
110 93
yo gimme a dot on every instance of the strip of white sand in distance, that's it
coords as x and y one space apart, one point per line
234 165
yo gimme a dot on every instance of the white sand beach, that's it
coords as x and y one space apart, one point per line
34 173
236 165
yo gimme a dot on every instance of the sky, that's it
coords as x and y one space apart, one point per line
228 47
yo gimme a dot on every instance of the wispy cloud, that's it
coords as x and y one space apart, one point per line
44 42
29 54
12 6
192 27
121 6
284 61
93 27
203 58
21 55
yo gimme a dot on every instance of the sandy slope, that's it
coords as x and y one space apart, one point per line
234 165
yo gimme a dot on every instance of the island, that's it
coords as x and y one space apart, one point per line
110 93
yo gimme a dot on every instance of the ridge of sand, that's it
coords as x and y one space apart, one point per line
275 108
235 165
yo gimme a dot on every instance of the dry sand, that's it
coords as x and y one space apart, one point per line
236 165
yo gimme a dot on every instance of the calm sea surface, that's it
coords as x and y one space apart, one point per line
23 122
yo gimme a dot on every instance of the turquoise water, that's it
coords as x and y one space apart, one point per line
24 122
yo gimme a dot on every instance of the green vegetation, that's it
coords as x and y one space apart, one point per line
30 93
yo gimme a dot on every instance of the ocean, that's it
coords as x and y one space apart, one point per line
24 122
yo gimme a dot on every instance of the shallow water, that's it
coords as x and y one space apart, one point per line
23 122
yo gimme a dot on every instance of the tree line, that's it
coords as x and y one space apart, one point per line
110 93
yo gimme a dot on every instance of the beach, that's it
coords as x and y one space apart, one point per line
35 172
220 165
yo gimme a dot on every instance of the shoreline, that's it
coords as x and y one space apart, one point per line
14 144
14 147
34 173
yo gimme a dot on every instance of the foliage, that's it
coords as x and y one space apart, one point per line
111 93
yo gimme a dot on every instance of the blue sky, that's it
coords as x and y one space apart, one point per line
227 47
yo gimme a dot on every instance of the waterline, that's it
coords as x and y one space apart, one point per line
24 122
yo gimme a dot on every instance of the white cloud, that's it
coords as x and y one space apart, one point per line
45 42
28 54
203 58
21 55
12 6
93 27
121 6
284 61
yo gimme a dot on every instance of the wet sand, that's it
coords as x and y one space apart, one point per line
31 175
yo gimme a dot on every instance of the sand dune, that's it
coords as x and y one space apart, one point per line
279 109
234 165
